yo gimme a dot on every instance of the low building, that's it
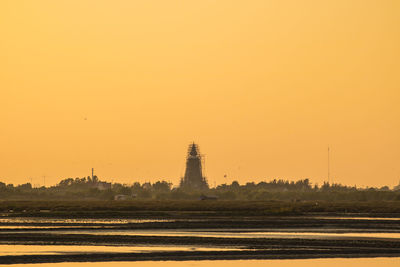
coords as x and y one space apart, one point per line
121 197
102 186
204 197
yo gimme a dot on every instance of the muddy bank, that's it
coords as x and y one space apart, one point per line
248 243
240 224
39 223
197 255
169 209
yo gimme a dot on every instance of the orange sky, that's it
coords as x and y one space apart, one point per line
263 86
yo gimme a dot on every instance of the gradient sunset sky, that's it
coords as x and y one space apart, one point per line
264 87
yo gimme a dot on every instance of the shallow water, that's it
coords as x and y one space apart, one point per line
106 227
7 250
28 227
32 220
359 218
76 221
364 262
227 234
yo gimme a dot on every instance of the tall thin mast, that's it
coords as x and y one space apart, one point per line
328 166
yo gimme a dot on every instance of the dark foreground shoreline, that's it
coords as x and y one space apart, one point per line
242 248
44 223
379 244
197 256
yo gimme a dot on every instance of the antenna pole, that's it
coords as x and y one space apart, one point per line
328 166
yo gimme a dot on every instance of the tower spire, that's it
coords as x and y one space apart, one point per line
193 179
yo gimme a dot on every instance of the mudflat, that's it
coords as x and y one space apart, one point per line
120 224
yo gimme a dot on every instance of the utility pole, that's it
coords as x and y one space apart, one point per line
328 166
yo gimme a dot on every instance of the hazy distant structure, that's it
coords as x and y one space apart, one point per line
193 179
96 183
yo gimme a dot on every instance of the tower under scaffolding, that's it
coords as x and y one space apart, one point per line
193 179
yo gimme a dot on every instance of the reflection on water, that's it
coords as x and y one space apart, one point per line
30 220
17 227
368 262
117 227
77 221
359 218
226 234
6 250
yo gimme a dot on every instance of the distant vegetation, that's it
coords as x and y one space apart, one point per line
89 188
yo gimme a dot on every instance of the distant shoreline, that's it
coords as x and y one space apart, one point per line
196 209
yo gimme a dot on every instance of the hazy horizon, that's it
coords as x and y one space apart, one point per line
264 87
41 181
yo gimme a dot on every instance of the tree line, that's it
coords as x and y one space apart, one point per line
91 188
